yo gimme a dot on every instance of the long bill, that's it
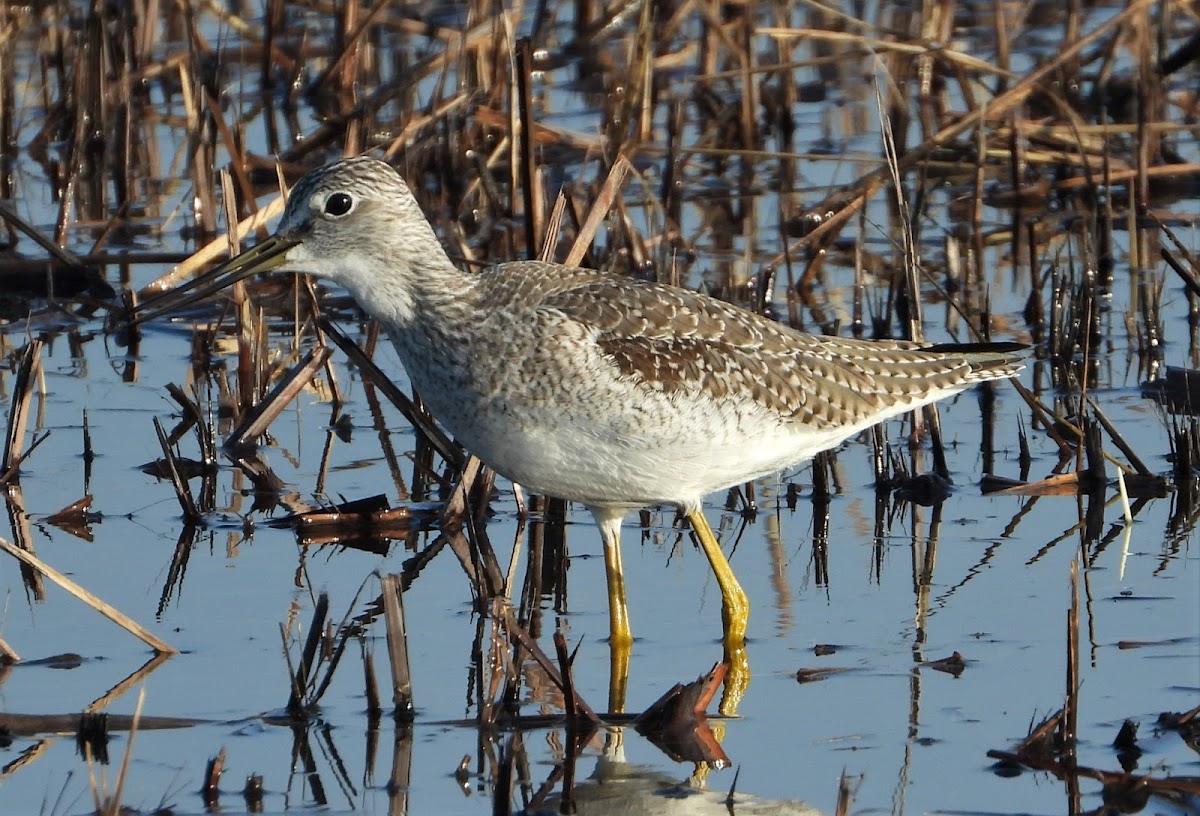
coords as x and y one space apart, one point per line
265 256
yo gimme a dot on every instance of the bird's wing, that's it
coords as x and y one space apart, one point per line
671 339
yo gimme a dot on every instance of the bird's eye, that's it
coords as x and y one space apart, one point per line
338 204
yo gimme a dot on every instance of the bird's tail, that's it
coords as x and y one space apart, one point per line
988 361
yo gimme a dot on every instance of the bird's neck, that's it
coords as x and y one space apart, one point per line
419 292
442 293
432 333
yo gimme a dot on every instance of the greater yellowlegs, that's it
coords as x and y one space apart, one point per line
589 386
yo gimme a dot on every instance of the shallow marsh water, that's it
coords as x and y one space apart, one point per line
999 596
889 589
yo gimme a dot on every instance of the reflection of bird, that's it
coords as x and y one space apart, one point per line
592 387
637 791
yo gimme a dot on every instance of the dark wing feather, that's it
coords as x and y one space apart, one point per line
676 340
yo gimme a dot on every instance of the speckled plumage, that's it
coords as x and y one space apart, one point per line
593 387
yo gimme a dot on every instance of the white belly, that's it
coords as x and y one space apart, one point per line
654 450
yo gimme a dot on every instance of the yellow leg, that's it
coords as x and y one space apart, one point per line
735 612
618 677
735 608
737 680
620 636
618 611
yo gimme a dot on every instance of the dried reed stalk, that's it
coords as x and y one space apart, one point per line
18 417
397 643
260 417
107 610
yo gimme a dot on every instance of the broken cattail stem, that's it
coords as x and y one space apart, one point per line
531 591
18 416
599 211
195 417
127 757
371 687
210 790
304 669
1118 439
183 492
845 796
397 642
252 793
564 666
89 455
1093 447
554 559
1071 708
8 655
487 582
518 632
108 611
534 211
260 417
9 475
553 228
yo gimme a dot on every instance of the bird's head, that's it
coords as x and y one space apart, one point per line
354 222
